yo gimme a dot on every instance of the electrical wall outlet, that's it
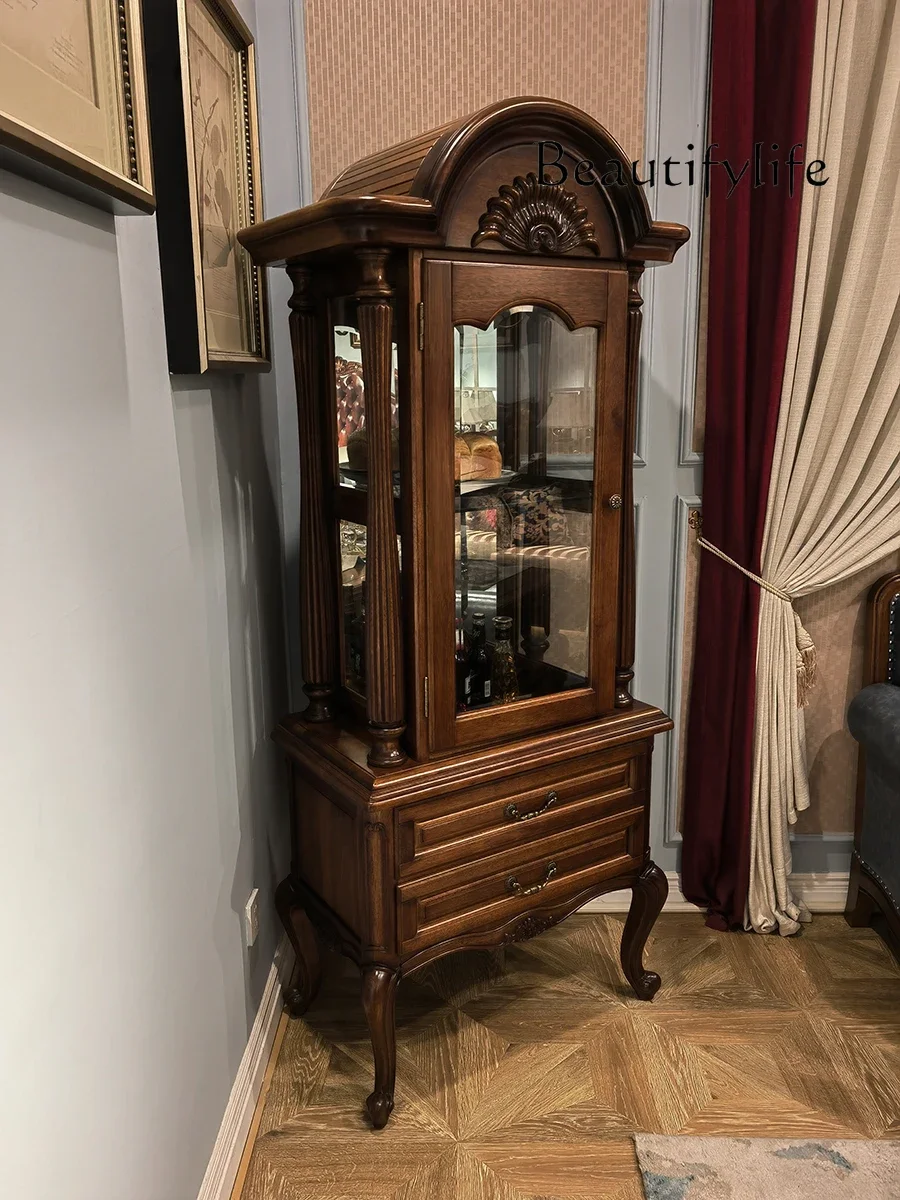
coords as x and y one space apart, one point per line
251 917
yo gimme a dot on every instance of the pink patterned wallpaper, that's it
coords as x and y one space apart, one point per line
379 73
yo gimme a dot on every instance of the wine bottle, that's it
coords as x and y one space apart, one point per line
463 674
504 683
479 663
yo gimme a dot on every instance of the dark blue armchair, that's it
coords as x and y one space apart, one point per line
874 720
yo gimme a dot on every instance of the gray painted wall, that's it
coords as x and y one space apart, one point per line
142 668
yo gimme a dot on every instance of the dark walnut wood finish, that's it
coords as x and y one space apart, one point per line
417 831
317 649
384 707
627 597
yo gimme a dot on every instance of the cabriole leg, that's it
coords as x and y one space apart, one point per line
647 898
307 975
860 906
379 994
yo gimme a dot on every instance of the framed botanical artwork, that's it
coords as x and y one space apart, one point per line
202 86
73 103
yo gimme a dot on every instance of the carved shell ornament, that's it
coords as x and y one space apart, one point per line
528 928
536 218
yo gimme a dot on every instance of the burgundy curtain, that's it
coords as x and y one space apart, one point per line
761 69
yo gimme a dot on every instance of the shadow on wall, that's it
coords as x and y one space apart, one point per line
234 536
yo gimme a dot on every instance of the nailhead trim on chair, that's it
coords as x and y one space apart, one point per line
884 887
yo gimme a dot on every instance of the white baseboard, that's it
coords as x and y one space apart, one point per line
226 1155
823 893
618 902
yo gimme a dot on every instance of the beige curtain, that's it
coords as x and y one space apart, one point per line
834 495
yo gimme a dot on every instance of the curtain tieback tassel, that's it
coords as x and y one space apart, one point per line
806 650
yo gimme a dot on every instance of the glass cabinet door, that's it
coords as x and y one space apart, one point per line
534 400
523 480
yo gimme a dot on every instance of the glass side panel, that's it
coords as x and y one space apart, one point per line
350 396
353 593
524 471
353 601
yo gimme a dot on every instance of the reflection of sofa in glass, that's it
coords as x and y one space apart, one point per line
350 396
535 549
348 386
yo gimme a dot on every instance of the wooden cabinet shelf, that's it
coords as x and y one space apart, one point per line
471 765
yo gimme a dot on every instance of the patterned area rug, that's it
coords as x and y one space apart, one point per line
718 1168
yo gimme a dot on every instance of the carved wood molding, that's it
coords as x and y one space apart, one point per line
881 631
536 218
375 849
317 623
627 586
528 928
384 669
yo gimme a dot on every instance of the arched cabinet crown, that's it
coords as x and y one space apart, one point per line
451 187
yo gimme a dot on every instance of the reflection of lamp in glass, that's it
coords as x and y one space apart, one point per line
536 642
570 420
476 406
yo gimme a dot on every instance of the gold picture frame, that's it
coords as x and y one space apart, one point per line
73 99
202 87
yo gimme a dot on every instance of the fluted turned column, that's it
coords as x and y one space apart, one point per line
317 618
625 648
384 668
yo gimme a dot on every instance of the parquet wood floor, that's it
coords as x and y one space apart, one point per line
522 1073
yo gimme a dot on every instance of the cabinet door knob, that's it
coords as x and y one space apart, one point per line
513 813
516 888
615 500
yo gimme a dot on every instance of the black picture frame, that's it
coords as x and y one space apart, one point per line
190 347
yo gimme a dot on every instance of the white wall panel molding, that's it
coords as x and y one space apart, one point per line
821 892
651 150
639 502
821 853
842 838
301 99
676 116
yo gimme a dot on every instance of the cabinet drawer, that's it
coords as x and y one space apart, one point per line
514 811
546 872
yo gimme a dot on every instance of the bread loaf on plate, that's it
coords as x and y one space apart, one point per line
358 450
477 456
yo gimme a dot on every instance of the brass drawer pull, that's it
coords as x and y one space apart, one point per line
516 888
514 815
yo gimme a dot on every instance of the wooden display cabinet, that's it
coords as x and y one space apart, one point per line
471 766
